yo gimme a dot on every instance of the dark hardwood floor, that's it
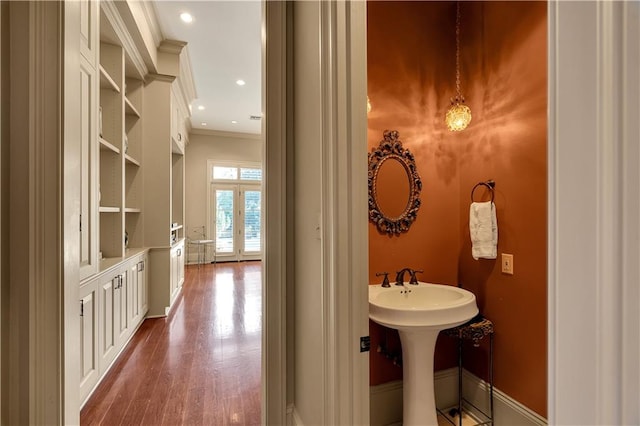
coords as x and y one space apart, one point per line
199 366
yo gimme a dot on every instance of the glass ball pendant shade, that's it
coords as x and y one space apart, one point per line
458 116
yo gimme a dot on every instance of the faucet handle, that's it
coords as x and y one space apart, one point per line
385 280
413 279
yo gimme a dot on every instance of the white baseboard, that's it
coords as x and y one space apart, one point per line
507 411
386 400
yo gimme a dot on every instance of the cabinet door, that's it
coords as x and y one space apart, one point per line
174 272
180 265
89 372
142 285
122 294
134 300
177 123
108 314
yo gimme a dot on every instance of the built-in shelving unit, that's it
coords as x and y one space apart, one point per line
131 215
121 148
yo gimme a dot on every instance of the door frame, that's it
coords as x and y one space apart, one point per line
593 212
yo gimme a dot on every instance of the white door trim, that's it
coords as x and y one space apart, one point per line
594 213
277 307
40 306
343 225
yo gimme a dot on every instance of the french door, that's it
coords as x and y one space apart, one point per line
236 221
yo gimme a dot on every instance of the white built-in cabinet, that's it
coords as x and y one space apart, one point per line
112 306
131 252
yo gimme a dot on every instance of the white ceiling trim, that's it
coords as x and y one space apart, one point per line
111 13
187 81
173 47
186 90
151 17
223 134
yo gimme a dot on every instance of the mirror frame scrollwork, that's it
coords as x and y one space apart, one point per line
390 147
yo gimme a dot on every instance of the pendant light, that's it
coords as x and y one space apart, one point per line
458 115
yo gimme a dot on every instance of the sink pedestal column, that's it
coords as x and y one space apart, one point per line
419 404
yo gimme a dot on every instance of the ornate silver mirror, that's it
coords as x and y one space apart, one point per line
394 186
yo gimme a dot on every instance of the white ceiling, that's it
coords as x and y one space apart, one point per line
224 42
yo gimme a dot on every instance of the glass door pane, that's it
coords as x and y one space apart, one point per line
224 220
252 221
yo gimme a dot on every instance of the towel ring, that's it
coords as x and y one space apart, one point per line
489 184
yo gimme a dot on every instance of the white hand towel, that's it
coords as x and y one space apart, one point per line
483 228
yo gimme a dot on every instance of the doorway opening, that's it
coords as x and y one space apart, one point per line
234 210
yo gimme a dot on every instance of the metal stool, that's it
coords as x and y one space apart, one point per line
202 250
475 330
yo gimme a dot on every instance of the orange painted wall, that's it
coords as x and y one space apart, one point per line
411 70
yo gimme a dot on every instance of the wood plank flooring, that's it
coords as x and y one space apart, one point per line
199 366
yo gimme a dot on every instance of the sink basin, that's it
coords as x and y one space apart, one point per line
433 306
419 312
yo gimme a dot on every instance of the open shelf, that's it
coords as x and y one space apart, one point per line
132 210
130 160
107 146
129 109
108 209
106 82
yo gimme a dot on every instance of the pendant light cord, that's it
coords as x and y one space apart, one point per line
458 93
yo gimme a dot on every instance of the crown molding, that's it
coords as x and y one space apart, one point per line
171 46
151 17
160 77
186 80
223 134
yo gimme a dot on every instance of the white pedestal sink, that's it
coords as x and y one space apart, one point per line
419 312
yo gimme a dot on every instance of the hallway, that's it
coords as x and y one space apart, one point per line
200 365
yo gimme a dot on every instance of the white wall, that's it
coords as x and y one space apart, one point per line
205 146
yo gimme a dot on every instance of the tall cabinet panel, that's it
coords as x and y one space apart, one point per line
88 249
89 22
88 82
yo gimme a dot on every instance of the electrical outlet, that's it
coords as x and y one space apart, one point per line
507 263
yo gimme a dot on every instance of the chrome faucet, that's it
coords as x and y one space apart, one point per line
412 278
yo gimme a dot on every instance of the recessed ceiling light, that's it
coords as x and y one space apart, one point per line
203 124
186 17
201 107
241 82
234 122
